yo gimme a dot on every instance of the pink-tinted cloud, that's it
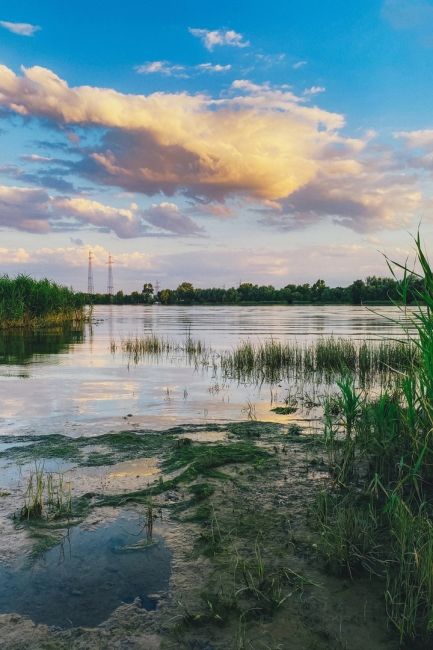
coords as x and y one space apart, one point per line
34 210
363 202
167 216
337 264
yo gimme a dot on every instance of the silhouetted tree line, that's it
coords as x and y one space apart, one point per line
373 289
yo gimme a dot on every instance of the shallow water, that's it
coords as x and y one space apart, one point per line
69 382
93 571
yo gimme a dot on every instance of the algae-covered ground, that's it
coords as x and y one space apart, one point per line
235 501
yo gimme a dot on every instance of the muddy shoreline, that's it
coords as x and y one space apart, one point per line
236 501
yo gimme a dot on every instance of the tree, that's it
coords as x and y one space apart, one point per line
167 297
357 291
246 291
136 298
147 293
317 289
185 292
119 298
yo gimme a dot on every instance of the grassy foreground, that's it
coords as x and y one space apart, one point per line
28 302
377 515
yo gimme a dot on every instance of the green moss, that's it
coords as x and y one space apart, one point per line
199 460
100 459
201 491
115 447
254 429
294 429
202 513
284 410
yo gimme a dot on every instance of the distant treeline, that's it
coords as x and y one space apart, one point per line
24 301
371 290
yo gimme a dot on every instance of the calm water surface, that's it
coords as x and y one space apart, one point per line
70 382
94 570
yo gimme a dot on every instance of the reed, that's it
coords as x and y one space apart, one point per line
47 496
327 358
269 361
379 515
28 302
138 348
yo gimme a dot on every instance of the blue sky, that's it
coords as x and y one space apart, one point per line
214 142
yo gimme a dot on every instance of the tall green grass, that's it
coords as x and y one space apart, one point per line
328 357
138 348
379 514
25 301
47 496
270 361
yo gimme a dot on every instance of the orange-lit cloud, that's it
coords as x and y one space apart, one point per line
262 145
261 142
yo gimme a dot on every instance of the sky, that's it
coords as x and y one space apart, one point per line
214 143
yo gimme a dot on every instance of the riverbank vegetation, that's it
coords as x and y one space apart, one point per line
25 302
377 516
371 290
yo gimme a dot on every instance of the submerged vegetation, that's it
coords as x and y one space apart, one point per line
28 302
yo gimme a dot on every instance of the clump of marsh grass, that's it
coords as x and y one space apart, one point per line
269 585
328 358
138 348
47 496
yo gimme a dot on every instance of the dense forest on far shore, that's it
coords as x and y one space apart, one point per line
371 290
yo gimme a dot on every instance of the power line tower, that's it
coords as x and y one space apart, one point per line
110 286
90 287
157 287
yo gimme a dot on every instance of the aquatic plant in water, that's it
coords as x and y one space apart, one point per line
47 495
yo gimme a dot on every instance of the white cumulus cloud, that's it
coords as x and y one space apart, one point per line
218 37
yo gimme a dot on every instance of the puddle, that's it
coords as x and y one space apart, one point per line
13 443
140 468
83 580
